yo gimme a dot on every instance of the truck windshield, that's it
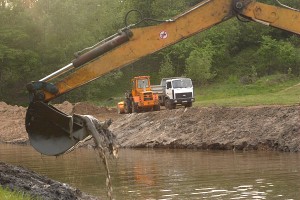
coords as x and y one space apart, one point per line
143 83
182 83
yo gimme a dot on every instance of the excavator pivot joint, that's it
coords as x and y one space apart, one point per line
36 90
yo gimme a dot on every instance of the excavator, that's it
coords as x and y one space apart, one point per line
52 132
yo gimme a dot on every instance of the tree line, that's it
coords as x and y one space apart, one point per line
38 37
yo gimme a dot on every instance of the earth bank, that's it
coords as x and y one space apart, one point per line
218 128
275 128
37 186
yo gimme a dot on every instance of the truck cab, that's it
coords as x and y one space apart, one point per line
175 91
178 91
140 84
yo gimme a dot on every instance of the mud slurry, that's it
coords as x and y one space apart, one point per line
20 179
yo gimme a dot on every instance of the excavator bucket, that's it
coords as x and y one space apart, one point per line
52 132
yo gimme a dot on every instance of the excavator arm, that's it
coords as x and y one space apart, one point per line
52 132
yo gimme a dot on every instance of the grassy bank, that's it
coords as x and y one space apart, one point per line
6 194
270 90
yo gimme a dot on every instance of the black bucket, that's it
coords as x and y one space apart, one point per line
51 132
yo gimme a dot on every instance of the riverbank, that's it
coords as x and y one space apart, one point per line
261 128
267 128
264 128
17 178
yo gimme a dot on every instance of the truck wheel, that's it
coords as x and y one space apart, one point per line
169 105
189 104
156 107
173 106
127 106
134 107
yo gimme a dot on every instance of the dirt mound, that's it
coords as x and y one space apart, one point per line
21 179
101 113
250 128
12 118
90 109
65 107
247 128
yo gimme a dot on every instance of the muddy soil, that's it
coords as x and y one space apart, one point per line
17 178
217 128
12 118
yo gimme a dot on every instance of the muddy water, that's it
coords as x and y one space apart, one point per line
171 174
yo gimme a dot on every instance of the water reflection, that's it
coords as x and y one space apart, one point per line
171 174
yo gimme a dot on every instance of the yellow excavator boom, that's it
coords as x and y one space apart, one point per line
147 40
125 47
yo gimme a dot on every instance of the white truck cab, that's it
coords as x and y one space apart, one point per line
175 91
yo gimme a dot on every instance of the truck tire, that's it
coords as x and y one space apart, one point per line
135 108
127 106
169 105
188 104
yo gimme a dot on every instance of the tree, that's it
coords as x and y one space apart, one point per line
19 59
166 68
199 64
276 56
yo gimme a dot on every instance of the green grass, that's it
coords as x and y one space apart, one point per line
6 194
270 90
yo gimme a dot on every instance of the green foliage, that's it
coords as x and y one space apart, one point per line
167 8
157 8
199 64
166 68
178 54
18 58
276 56
39 37
97 89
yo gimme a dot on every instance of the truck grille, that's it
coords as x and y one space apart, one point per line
184 95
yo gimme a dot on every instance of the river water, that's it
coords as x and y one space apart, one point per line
170 174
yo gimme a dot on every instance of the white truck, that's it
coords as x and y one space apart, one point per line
175 91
